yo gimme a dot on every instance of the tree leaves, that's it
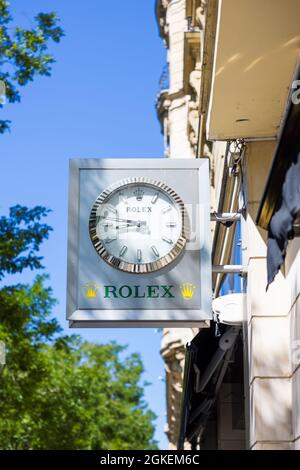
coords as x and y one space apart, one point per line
23 52
21 235
57 391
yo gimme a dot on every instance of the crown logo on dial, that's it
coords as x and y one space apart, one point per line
139 193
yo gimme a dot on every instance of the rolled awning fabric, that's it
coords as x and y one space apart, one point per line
281 224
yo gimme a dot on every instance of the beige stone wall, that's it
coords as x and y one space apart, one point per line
271 321
292 270
179 146
177 111
178 123
178 106
182 24
176 21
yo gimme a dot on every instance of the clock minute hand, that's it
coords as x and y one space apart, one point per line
127 221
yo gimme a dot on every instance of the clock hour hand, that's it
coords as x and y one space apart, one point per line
117 227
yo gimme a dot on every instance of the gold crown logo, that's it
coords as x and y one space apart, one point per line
187 290
90 290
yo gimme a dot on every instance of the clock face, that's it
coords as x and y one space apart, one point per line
138 225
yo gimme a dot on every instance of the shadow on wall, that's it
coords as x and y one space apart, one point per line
271 414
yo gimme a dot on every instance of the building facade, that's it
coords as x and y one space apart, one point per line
233 70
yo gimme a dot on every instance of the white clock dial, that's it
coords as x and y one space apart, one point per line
137 225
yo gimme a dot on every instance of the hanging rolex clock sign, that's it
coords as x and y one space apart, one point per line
139 243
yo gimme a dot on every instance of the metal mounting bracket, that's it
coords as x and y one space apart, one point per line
229 269
225 218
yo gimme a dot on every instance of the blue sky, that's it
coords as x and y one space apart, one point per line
99 103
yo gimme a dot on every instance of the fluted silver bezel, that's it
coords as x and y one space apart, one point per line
138 268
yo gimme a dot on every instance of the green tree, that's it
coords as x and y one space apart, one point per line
58 392
23 52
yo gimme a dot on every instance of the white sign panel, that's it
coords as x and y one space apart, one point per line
139 249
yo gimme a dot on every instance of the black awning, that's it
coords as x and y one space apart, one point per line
280 203
206 362
281 225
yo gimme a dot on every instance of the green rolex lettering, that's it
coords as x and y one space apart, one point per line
125 292
153 292
137 292
110 290
167 291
